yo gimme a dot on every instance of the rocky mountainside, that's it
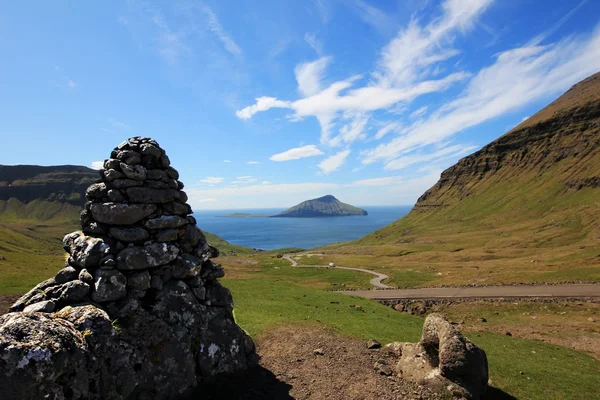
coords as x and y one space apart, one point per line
326 206
543 176
64 183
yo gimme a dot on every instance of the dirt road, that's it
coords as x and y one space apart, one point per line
566 290
376 282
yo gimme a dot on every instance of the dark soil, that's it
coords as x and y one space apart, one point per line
6 301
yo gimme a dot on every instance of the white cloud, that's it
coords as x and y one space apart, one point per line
309 76
313 42
371 15
244 180
265 183
254 162
97 164
262 104
436 156
297 153
215 27
227 161
387 128
332 163
517 78
351 131
419 112
213 180
204 200
71 84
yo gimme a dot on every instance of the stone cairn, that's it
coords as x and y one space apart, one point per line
137 312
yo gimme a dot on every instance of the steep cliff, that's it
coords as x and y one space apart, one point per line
542 175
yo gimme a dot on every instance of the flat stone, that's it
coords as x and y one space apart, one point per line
97 191
112 174
139 281
150 256
157 174
172 172
85 251
166 222
157 184
150 195
136 234
168 235
120 213
373 344
125 183
116 196
65 275
176 208
135 172
70 292
46 306
191 237
109 285
112 163
129 157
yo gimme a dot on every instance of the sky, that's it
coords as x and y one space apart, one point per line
264 104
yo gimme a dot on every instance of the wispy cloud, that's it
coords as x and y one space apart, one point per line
215 27
371 15
323 9
313 42
171 45
97 164
332 163
227 161
254 162
71 84
297 153
212 180
118 124
244 180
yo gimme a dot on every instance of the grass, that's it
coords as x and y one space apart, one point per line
549 371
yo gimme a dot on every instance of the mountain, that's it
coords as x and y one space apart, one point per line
40 192
326 206
536 187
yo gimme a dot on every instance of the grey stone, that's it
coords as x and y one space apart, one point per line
443 348
121 214
373 344
166 222
129 157
164 161
150 150
112 163
135 172
191 237
86 251
149 195
136 294
199 292
176 208
123 308
112 174
95 228
183 197
125 183
157 174
37 291
97 191
172 172
85 276
116 196
108 261
46 306
156 282
109 285
157 184
65 275
187 267
139 281
150 256
70 292
167 235
135 234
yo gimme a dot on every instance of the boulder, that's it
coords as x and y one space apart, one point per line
166 222
445 360
149 256
109 285
120 213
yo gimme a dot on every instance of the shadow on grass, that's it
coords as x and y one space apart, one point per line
254 384
498 394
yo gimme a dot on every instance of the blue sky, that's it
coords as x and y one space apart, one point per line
268 103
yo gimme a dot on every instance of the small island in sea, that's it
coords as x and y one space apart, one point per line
326 206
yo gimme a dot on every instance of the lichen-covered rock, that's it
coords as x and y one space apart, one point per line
138 312
149 256
109 285
443 359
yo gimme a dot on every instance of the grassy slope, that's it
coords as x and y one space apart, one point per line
549 372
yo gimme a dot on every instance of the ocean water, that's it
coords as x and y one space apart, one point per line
306 233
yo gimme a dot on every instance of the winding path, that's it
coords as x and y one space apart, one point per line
376 282
564 290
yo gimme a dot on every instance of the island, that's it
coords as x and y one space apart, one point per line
326 206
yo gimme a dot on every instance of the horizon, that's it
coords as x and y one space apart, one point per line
369 100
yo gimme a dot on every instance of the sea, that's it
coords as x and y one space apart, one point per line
305 233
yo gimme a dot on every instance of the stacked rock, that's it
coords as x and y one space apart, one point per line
141 259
